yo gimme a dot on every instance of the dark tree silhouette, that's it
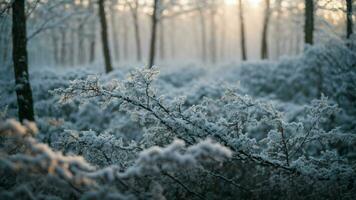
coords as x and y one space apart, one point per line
19 53
309 22
134 8
162 40
153 34
264 45
349 22
104 36
203 34
242 31
114 31
213 45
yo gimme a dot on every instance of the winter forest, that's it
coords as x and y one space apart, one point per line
177 99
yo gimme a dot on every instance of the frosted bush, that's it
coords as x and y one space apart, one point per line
261 139
326 69
73 177
185 136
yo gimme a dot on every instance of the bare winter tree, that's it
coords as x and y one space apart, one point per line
114 30
213 45
309 22
349 15
264 44
162 40
242 31
203 34
134 9
158 15
19 53
104 36
153 33
277 36
92 35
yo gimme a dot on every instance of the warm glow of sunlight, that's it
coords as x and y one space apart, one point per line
254 2
251 2
230 2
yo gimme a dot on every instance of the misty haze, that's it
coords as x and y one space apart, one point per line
177 99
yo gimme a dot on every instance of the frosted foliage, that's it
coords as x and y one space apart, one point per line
269 130
155 159
80 178
240 125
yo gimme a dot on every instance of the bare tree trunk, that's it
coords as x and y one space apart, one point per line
137 34
92 51
153 34
63 46
213 36
309 22
264 45
242 31
81 52
126 40
223 38
203 35
104 36
80 38
4 39
161 41
92 41
71 53
173 38
277 37
299 38
19 53
349 22
115 35
55 47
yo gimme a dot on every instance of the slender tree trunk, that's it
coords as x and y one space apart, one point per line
223 38
264 45
71 53
162 55
63 46
213 36
92 42
92 49
203 35
153 34
126 39
349 22
137 35
242 31
309 22
104 36
173 38
277 37
299 38
19 53
80 38
55 47
115 35
93 35
81 52
5 36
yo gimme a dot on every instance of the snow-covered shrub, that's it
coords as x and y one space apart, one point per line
289 141
263 143
33 170
326 69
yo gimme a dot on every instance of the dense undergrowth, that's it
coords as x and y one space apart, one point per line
265 130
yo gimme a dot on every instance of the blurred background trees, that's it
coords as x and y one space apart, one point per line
67 32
